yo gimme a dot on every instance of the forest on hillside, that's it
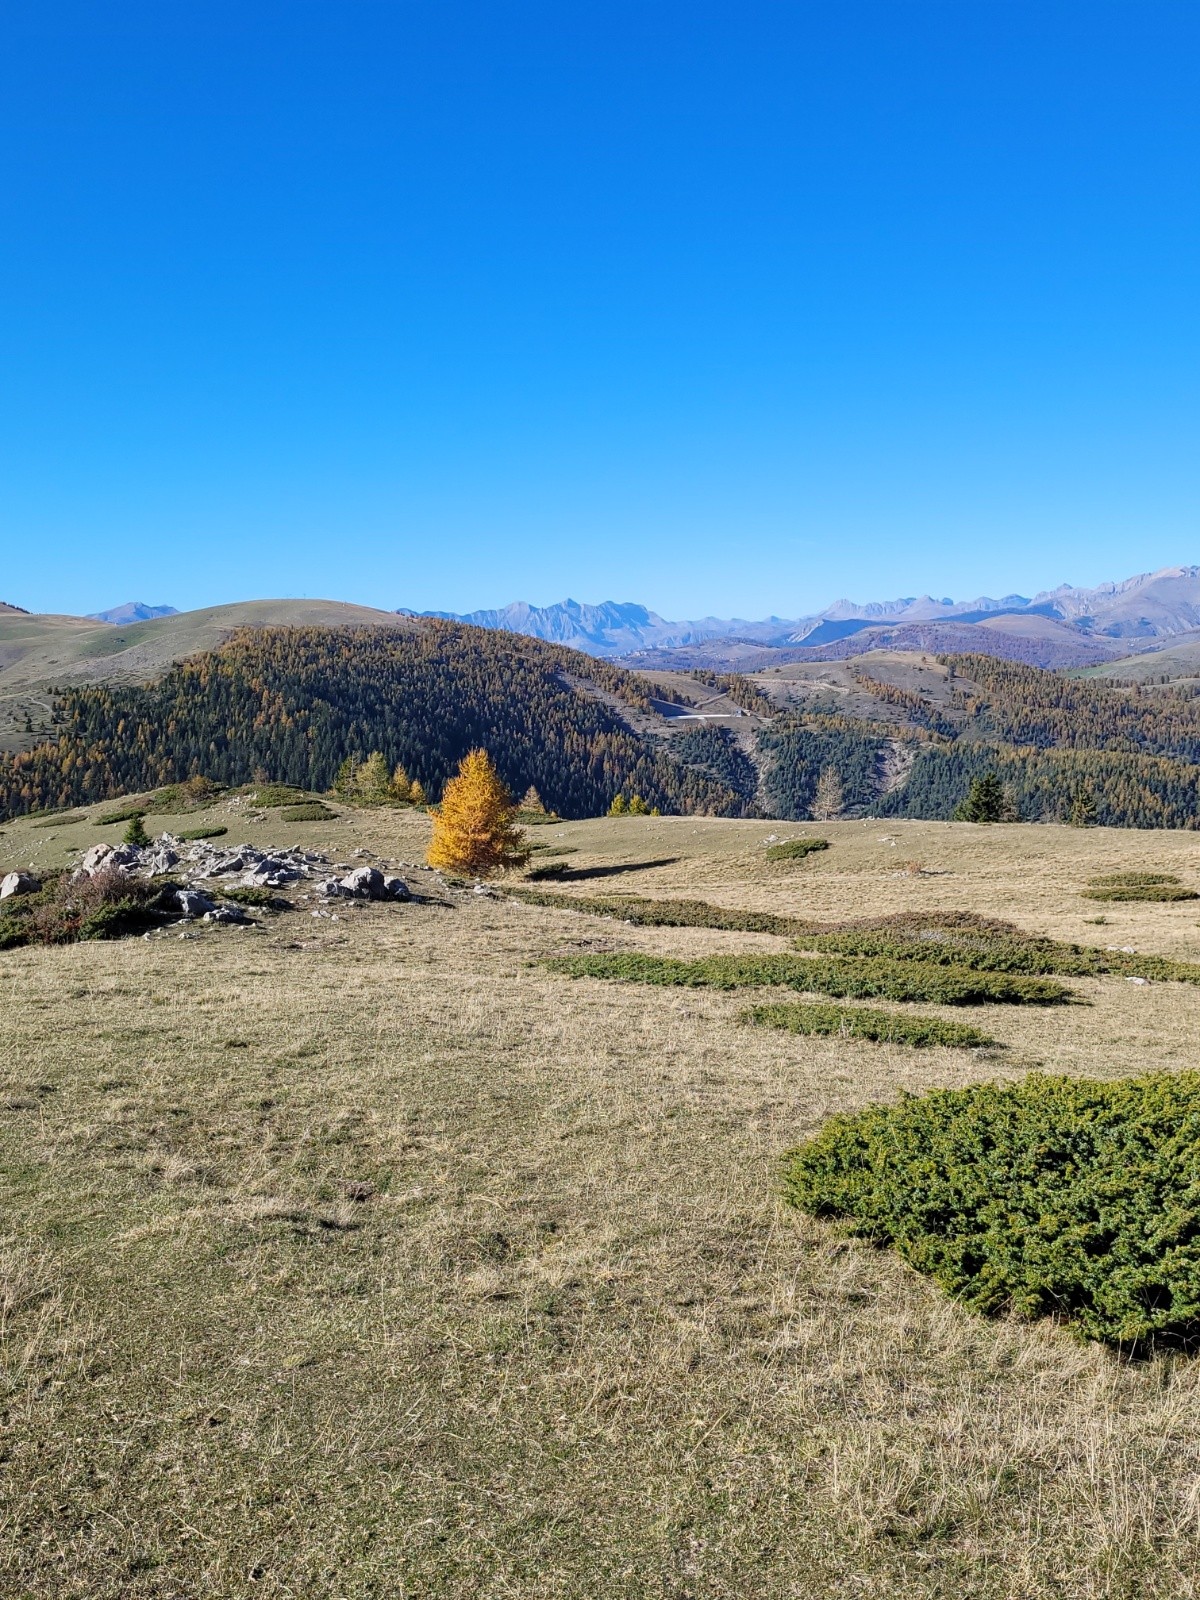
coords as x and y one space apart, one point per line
291 704
1134 753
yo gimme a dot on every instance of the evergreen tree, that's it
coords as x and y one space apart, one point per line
343 784
372 782
1084 810
533 801
401 785
136 833
473 827
985 802
417 795
637 806
827 801
618 807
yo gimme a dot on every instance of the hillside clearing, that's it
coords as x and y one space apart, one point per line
368 1259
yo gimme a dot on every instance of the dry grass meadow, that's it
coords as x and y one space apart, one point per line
366 1258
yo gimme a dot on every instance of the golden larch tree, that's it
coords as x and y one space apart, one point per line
473 829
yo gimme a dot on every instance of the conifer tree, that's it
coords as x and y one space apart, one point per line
1084 810
473 826
637 806
417 795
533 801
343 784
401 784
986 801
136 833
372 782
618 807
828 801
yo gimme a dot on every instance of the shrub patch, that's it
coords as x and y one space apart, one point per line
662 913
1138 886
987 950
844 980
1053 1196
858 1022
795 849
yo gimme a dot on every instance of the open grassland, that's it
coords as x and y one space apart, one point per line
370 1258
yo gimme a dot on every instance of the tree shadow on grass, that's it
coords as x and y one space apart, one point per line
564 874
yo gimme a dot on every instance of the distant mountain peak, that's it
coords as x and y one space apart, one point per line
132 611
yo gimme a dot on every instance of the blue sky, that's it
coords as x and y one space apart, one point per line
725 308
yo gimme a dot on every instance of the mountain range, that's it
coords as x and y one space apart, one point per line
1066 626
1063 627
131 611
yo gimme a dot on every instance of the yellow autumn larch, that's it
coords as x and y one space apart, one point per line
473 829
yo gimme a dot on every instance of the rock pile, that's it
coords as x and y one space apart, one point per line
202 870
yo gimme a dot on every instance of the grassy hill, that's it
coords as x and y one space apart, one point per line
368 1257
40 653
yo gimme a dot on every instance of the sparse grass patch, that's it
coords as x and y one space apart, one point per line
844 980
1138 886
795 849
855 1022
1054 1196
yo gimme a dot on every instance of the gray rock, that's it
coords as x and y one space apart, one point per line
364 883
331 889
225 913
396 889
192 903
18 883
271 873
95 858
159 860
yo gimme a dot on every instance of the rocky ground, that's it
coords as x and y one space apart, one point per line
206 883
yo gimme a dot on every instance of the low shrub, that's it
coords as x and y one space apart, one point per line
986 951
1053 1196
795 849
660 913
106 906
854 1022
1138 886
843 980
125 814
189 835
310 811
61 819
193 794
270 795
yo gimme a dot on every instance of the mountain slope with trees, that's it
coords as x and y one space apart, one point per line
294 703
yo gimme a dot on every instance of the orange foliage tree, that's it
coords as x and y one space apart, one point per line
473 827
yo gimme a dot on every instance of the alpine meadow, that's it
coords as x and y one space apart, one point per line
600 802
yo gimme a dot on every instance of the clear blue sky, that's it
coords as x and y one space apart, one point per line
728 308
